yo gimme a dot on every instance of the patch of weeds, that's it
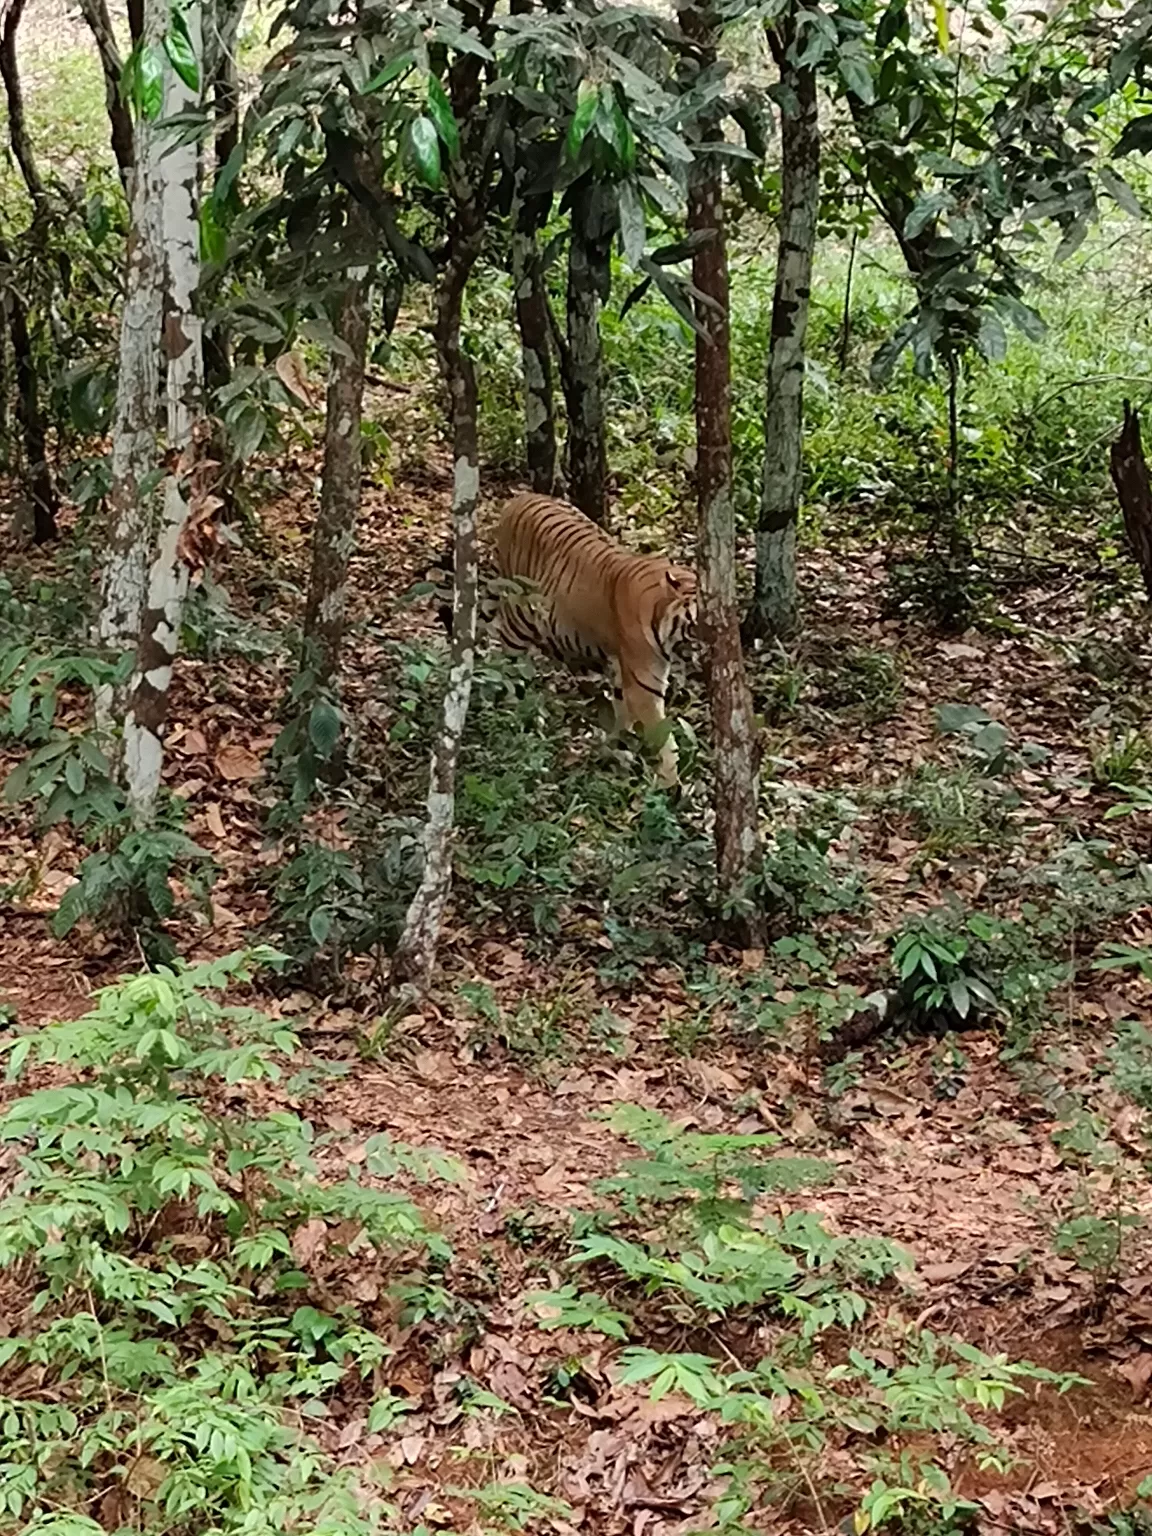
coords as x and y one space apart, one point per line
952 809
804 874
1102 1210
1121 760
165 1361
985 742
681 1245
858 683
534 1030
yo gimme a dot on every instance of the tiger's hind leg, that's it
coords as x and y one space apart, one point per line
643 688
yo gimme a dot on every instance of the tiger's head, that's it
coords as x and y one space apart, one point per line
676 606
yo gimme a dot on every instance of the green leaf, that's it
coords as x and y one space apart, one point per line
424 143
181 54
961 999
578 128
926 208
149 96
391 71
320 925
632 230
213 239
323 727
1119 190
991 339
74 775
441 113
857 77
1136 138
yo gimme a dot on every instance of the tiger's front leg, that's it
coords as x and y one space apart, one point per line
639 698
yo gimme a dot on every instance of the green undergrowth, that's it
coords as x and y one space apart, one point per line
796 1340
188 1331
167 1354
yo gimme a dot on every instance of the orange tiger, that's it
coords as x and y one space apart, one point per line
595 602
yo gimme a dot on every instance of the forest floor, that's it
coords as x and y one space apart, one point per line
951 1147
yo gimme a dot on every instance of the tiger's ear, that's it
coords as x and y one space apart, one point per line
672 581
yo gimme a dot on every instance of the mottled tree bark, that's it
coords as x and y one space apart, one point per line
95 13
132 497
589 248
774 610
531 300
183 354
470 178
416 952
735 753
334 536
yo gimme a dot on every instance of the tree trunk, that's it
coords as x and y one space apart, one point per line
1130 477
95 13
535 348
183 353
416 952
774 609
334 536
17 125
38 474
132 499
588 278
735 751
222 76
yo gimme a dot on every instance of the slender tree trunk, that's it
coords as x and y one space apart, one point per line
334 537
734 747
95 13
183 353
222 75
38 474
17 125
588 277
132 497
416 952
535 347
774 610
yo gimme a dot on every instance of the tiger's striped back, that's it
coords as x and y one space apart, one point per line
593 601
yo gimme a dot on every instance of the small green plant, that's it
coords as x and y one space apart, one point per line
1118 761
128 887
173 1344
939 975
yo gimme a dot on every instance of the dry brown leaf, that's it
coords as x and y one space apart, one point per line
213 820
144 1477
308 1239
236 763
293 375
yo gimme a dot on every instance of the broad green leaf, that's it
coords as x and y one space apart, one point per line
323 727
424 143
213 239
925 209
857 77
320 925
1136 138
391 71
181 54
1118 189
991 339
578 128
632 230
149 99
440 111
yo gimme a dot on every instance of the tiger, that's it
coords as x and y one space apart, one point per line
590 600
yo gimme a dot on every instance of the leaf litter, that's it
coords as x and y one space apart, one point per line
972 1183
